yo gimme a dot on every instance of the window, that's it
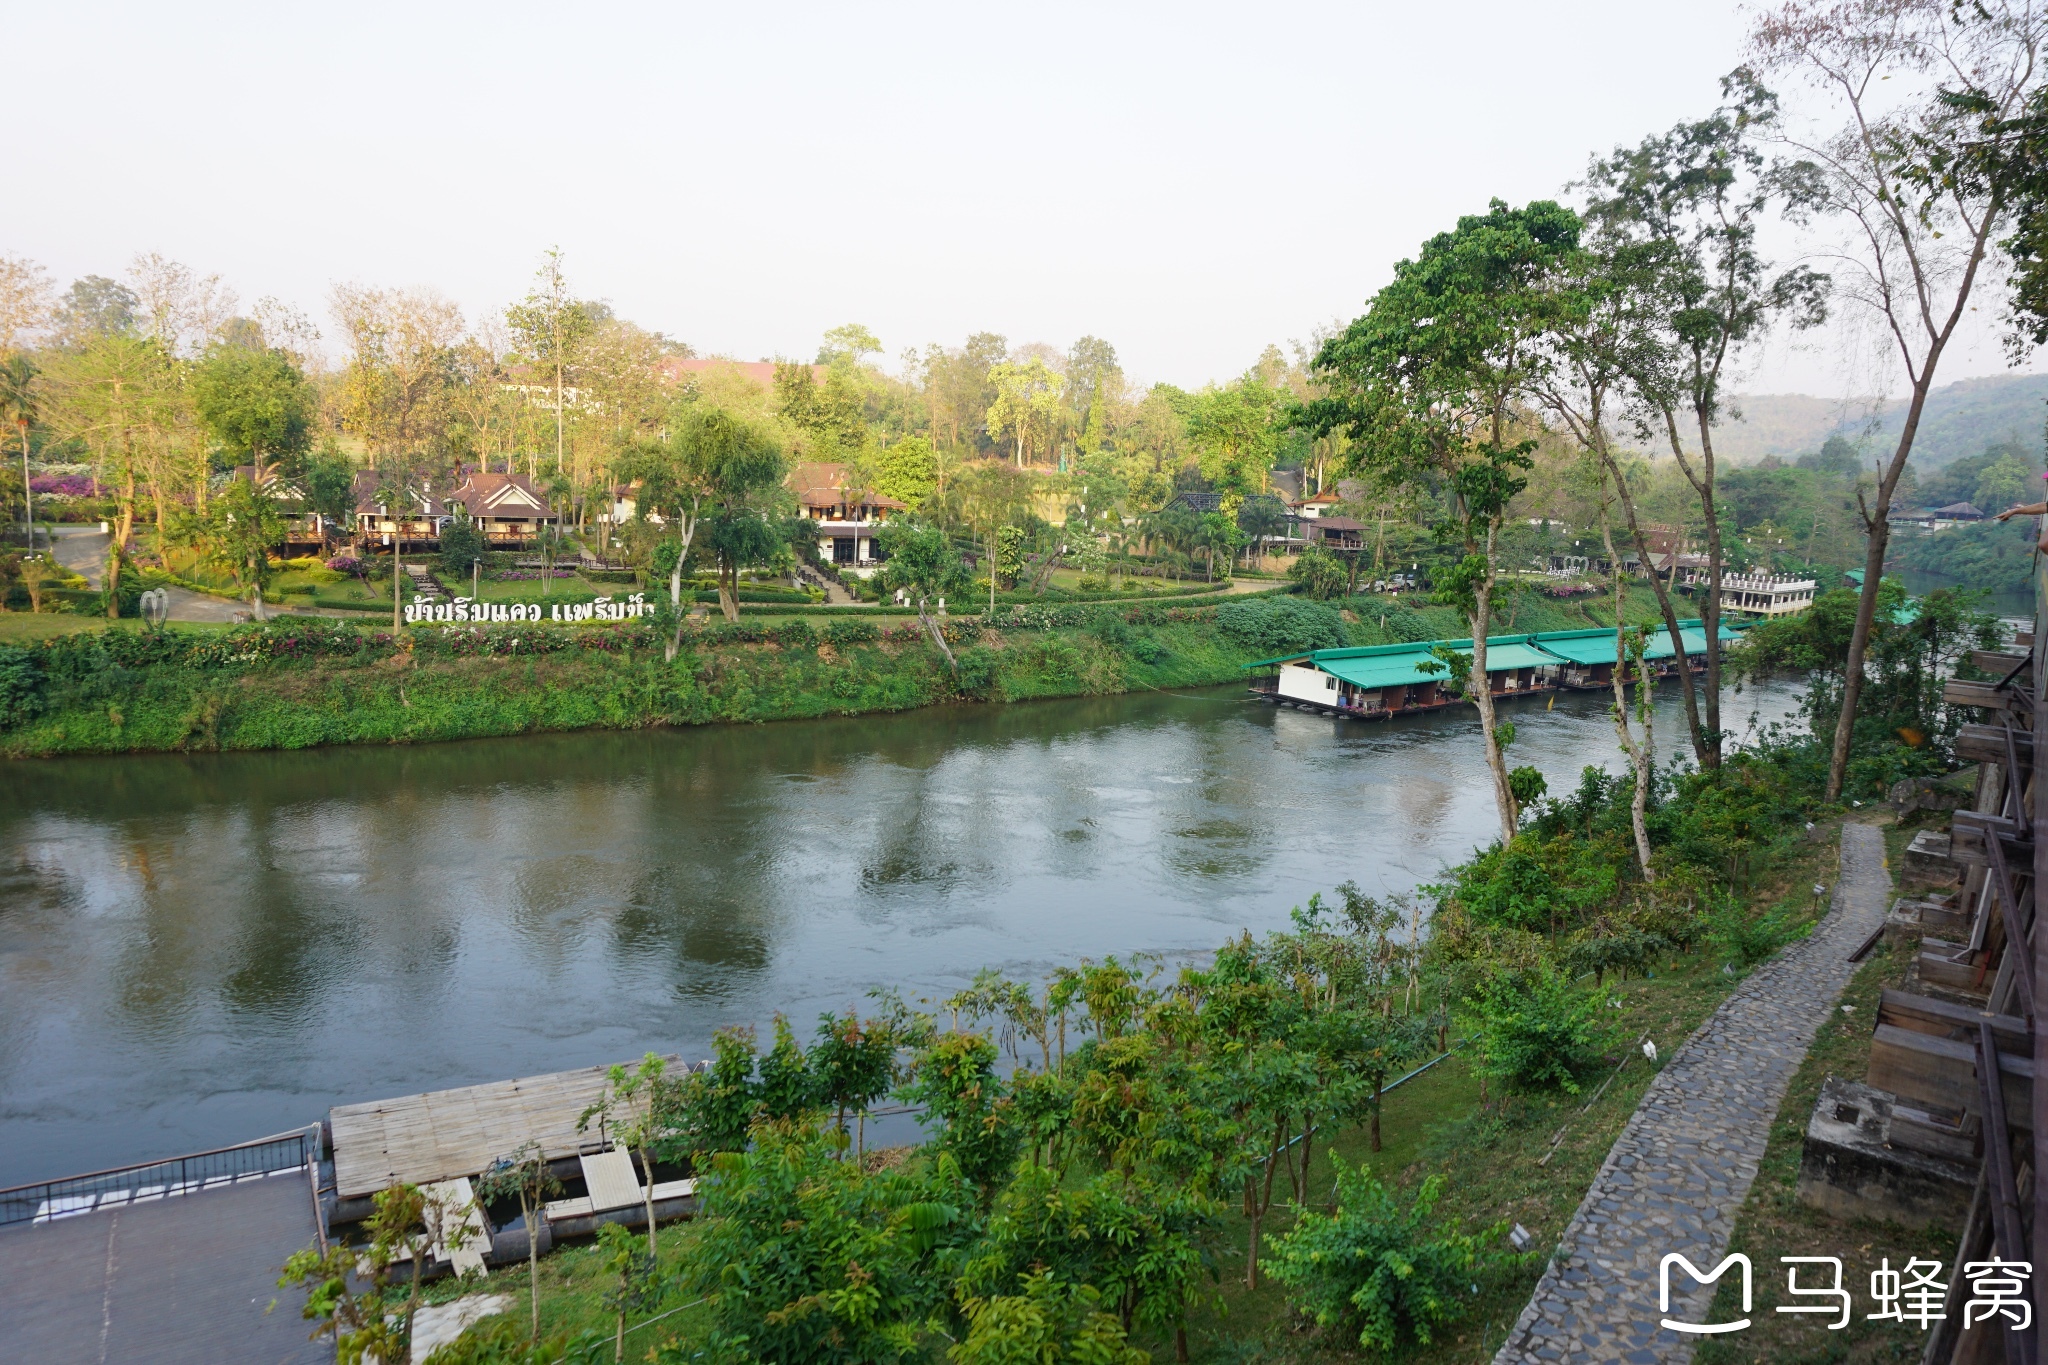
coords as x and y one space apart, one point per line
1329 683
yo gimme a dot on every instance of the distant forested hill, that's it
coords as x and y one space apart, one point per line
1962 419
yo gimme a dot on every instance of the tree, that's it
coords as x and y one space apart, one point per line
18 407
738 464
524 1174
462 544
995 496
1049 1323
25 301
1694 199
1026 405
919 560
852 343
330 482
1235 433
907 470
242 527
1429 384
552 326
256 404
95 306
1927 149
636 1108
350 1291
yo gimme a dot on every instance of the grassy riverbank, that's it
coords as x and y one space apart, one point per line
302 682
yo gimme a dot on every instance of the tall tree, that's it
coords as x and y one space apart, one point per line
26 302
741 465
1696 197
1026 405
19 403
1926 101
255 403
119 396
552 325
1430 382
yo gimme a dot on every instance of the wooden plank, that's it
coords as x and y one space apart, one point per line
1958 692
1941 1073
612 1181
447 1134
1938 965
1998 662
1942 1018
1986 744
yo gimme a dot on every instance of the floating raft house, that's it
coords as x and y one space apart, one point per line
1377 681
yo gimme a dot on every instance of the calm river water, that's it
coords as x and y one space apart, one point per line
198 950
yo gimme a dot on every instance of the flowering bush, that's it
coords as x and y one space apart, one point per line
64 486
345 564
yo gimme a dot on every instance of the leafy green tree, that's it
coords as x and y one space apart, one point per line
637 1283
715 1107
1697 197
1538 1031
19 403
351 1293
853 1064
735 465
1318 573
1235 431
1050 1323
954 1076
919 560
523 1174
462 544
1430 384
1377 1270
638 1107
256 404
331 488
242 526
1026 405
907 470
808 1257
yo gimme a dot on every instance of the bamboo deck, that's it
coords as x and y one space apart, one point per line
449 1134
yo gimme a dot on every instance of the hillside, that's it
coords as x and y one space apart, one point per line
1961 419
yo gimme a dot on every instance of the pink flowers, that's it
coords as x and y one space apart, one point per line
64 486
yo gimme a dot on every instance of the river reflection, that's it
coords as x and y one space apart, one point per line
197 950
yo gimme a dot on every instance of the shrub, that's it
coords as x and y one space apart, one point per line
461 542
1271 626
1319 574
21 687
1377 1270
1537 1032
1744 941
796 634
845 632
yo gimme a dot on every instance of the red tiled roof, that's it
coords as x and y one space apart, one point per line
762 372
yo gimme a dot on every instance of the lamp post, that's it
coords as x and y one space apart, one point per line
475 571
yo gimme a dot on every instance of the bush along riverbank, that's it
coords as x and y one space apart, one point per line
297 683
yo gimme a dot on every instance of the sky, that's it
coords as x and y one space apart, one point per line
1189 181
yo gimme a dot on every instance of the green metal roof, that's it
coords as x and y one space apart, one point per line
1372 666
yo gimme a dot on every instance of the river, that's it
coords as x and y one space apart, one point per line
195 950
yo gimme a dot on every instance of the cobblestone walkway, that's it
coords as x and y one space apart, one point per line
1682 1168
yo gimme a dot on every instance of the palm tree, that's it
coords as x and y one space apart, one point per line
18 401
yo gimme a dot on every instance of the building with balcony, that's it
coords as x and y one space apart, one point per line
847 516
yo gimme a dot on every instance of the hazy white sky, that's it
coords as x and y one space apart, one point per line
1188 181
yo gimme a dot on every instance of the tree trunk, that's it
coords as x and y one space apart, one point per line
527 1214
931 626
729 590
397 564
1663 591
1503 794
1639 756
647 1172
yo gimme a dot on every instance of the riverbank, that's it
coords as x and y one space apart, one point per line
301 683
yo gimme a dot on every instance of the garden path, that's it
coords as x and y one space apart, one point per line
1682 1168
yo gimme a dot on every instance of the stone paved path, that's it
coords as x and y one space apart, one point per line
1682 1168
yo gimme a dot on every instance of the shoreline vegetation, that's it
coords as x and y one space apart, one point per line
299 682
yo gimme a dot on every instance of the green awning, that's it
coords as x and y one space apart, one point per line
1586 647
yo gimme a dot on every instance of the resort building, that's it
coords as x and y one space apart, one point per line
847 516
505 507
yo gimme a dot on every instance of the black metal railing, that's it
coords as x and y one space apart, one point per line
286 1153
